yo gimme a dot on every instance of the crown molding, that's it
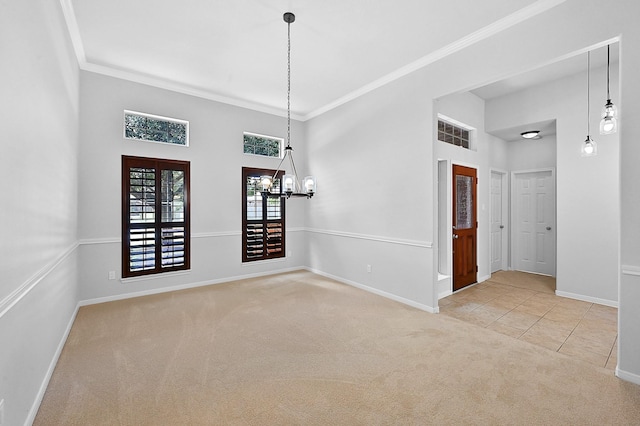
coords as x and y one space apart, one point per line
482 34
521 15
74 31
182 88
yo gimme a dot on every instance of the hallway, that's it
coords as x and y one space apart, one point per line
524 306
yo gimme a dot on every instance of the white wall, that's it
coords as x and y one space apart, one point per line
587 187
629 304
381 146
499 153
531 154
373 160
38 167
216 156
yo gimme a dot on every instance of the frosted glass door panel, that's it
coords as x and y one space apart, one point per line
464 202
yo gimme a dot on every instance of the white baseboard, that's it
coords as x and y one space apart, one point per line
612 303
382 293
183 287
52 366
629 377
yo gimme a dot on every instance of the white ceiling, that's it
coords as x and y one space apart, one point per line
235 50
576 64
549 72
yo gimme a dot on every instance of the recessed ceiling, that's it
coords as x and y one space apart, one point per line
235 51
546 128
566 67
547 73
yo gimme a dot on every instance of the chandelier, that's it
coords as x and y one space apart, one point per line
290 185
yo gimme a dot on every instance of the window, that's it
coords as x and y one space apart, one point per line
262 145
155 216
147 127
263 227
453 134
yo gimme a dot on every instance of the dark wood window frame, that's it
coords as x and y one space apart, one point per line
263 238
158 239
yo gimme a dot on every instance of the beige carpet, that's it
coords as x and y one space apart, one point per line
301 349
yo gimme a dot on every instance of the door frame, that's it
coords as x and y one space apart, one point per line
513 212
506 218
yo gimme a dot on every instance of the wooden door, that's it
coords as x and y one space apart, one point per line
465 269
534 242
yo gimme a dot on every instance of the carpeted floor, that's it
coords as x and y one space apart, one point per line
298 348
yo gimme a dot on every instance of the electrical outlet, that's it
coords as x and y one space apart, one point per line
112 275
1 411
369 268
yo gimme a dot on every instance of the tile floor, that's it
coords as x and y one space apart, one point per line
525 307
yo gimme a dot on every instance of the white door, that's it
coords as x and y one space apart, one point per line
498 221
533 210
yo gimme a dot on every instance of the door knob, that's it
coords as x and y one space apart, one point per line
455 236
548 228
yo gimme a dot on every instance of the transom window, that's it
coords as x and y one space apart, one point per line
267 146
263 227
154 128
453 134
155 216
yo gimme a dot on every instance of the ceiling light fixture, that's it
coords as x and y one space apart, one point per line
290 185
609 122
589 147
530 134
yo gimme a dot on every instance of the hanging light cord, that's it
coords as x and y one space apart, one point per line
588 88
288 19
291 162
288 83
608 95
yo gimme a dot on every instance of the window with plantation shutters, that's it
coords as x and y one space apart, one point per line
155 216
263 235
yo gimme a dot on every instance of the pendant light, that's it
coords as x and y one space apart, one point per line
609 122
290 185
589 147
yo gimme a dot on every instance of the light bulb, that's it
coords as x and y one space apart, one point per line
310 184
288 181
609 123
589 147
265 181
